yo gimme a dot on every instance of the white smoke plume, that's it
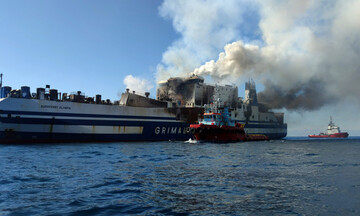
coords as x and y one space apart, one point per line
137 84
205 27
309 55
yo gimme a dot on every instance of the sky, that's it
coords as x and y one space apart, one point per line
303 55
81 45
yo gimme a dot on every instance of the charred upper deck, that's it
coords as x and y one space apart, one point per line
193 92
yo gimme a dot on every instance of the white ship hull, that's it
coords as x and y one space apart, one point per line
33 120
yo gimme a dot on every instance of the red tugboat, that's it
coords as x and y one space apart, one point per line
332 132
217 127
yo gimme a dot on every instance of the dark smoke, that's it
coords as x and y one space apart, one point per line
304 96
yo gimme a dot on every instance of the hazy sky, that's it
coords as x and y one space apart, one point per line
304 53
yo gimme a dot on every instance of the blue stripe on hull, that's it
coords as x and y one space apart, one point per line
83 122
276 135
54 121
152 131
82 115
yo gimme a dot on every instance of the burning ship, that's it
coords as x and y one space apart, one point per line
50 116
192 92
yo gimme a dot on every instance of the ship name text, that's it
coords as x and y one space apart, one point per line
55 107
172 130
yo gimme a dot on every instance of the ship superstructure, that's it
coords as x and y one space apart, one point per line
193 92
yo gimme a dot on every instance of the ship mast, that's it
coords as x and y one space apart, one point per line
331 122
1 80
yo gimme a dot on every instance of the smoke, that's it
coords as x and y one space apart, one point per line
137 84
309 96
205 27
308 56
235 61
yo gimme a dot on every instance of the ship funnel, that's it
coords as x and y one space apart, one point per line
40 93
53 94
5 91
25 92
98 99
64 96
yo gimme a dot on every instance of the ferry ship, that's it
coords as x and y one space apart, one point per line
333 131
50 116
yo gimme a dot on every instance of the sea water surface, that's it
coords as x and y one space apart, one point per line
297 176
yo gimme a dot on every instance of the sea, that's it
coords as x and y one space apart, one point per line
295 176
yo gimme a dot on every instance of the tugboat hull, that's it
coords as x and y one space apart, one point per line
215 133
336 135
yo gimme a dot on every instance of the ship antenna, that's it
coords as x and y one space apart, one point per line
331 122
1 80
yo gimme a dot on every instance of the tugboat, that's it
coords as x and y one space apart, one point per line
333 131
217 127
